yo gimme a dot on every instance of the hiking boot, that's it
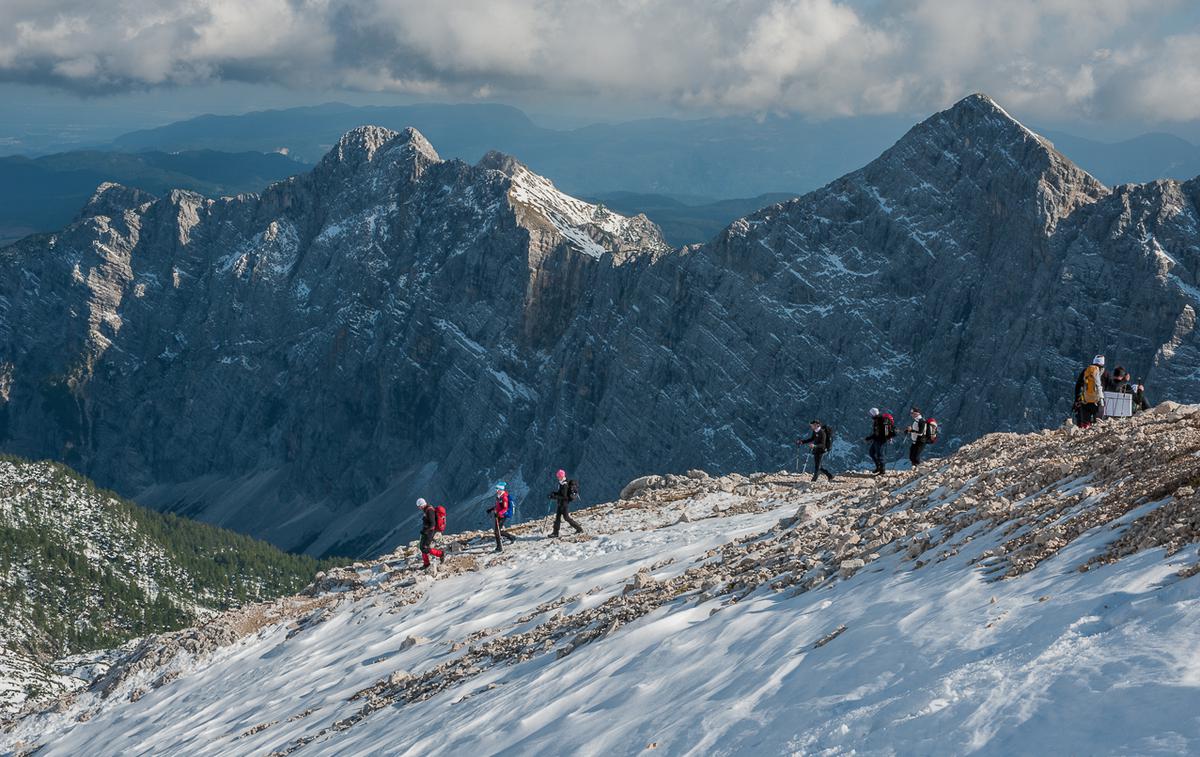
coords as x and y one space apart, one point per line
578 530
553 535
498 548
511 539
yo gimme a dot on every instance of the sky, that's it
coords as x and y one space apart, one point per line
1100 67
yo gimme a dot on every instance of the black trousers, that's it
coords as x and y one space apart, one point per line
914 453
1087 413
561 514
499 528
876 453
817 469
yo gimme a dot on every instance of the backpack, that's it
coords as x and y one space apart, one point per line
889 426
572 490
439 513
828 438
1093 390
931 430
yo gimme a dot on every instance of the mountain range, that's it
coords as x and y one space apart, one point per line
708 158
680 173
301 364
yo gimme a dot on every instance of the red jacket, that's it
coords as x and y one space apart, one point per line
502 504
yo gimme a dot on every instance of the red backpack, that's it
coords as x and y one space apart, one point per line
931 430
889 425
439 513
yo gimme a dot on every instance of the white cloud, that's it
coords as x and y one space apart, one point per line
1051 58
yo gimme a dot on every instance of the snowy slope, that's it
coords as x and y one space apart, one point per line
1025 595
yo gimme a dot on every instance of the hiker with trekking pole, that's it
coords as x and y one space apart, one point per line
820 441
501 511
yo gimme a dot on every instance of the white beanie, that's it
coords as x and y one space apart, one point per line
421 502
874 412
1099 360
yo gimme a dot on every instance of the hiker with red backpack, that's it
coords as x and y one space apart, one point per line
566 493
883 430
433 523
500 512
821 441
1089 392
922 431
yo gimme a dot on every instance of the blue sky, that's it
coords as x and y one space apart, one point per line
1106 68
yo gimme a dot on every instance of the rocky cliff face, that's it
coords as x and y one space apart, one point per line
301 364
379 327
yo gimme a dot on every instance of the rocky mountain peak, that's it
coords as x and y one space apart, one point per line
361 146
502 162
111 199
975 149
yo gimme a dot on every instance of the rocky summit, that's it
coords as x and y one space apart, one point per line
1029 593
301 364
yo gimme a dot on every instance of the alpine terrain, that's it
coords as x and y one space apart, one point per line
1029 594
81 570
302 364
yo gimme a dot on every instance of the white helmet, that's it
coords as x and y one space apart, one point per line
1098 360
874 412
421 502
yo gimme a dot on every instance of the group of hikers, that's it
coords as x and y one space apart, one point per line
921 431
1089 405
433 519
1091 386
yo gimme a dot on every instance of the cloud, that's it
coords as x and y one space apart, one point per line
1050 58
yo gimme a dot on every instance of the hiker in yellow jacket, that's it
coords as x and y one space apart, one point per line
1089 392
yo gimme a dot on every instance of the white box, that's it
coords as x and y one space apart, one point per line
1118 405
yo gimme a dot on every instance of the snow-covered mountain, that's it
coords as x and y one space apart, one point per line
300 365
1030 594
81 569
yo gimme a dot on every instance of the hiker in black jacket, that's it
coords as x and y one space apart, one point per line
1140 402
918 432
562 495
821 441
883 428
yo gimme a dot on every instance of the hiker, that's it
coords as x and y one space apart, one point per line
821 441
918 433
883 428
500 512
430 531
1119 382
1089 392
1140 402
567 491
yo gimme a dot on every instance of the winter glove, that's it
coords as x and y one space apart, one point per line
491 510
